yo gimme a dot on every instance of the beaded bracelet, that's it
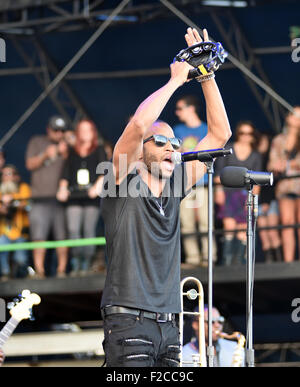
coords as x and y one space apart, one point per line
204 78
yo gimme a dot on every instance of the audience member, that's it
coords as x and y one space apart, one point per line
194 208
268 211
226 351
2 159
2 357
109 148
70 137
285 161
79 175
14 223
44 158
232 201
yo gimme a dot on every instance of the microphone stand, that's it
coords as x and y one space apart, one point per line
250 276
210 348
210 171
209 162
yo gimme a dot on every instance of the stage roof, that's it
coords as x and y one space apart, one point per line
130 59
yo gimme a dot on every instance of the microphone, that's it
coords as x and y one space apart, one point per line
204 155
239 177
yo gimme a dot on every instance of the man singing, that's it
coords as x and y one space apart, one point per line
142 290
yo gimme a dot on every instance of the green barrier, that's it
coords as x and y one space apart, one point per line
53 244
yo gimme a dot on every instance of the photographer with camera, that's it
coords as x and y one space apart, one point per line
45 158
14 221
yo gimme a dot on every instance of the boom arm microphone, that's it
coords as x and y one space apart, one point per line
239 177
204 155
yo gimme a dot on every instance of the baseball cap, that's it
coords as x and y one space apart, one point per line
57 123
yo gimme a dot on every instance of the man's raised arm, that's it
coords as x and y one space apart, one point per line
218 128
130 143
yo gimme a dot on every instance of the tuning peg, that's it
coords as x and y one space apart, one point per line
25 293
10 305
31 318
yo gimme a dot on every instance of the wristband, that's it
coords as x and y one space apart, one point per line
204 78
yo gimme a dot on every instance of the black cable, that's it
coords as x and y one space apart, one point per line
255 211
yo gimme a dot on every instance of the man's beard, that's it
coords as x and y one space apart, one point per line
153 166
8 187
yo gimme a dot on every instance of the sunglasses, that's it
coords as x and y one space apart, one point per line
8 173
179 108
161 140
219 320
246 133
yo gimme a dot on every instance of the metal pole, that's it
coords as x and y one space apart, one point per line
210 348
63 73
249 283
232 59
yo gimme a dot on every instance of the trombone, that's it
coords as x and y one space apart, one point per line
238 357
199 360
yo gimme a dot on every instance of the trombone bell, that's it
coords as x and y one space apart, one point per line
193 294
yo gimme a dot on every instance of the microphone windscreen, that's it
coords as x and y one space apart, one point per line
233 177
176 158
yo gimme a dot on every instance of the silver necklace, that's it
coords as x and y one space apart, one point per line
160 206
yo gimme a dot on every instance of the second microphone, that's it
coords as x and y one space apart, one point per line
203 156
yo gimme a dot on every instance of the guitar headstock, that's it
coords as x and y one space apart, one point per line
22 308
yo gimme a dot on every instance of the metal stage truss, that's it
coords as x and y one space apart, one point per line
23 22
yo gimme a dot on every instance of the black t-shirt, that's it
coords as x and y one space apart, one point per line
254 162
143 245
267 193
80 172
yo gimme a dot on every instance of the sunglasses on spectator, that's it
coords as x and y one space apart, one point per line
178 108
8 173
219 320
246 133
161 141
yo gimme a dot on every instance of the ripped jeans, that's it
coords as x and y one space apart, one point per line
136 341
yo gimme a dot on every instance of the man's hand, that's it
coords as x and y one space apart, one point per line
180 72
192 36
2 357
218 131
51 151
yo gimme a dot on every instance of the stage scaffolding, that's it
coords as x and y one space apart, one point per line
25 21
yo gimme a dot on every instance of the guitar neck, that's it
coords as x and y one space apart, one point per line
7 330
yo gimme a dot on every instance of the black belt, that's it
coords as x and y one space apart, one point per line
158 317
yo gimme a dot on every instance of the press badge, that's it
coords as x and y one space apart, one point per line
83 177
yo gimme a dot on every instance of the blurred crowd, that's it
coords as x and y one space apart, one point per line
60 203
62 200
279 204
